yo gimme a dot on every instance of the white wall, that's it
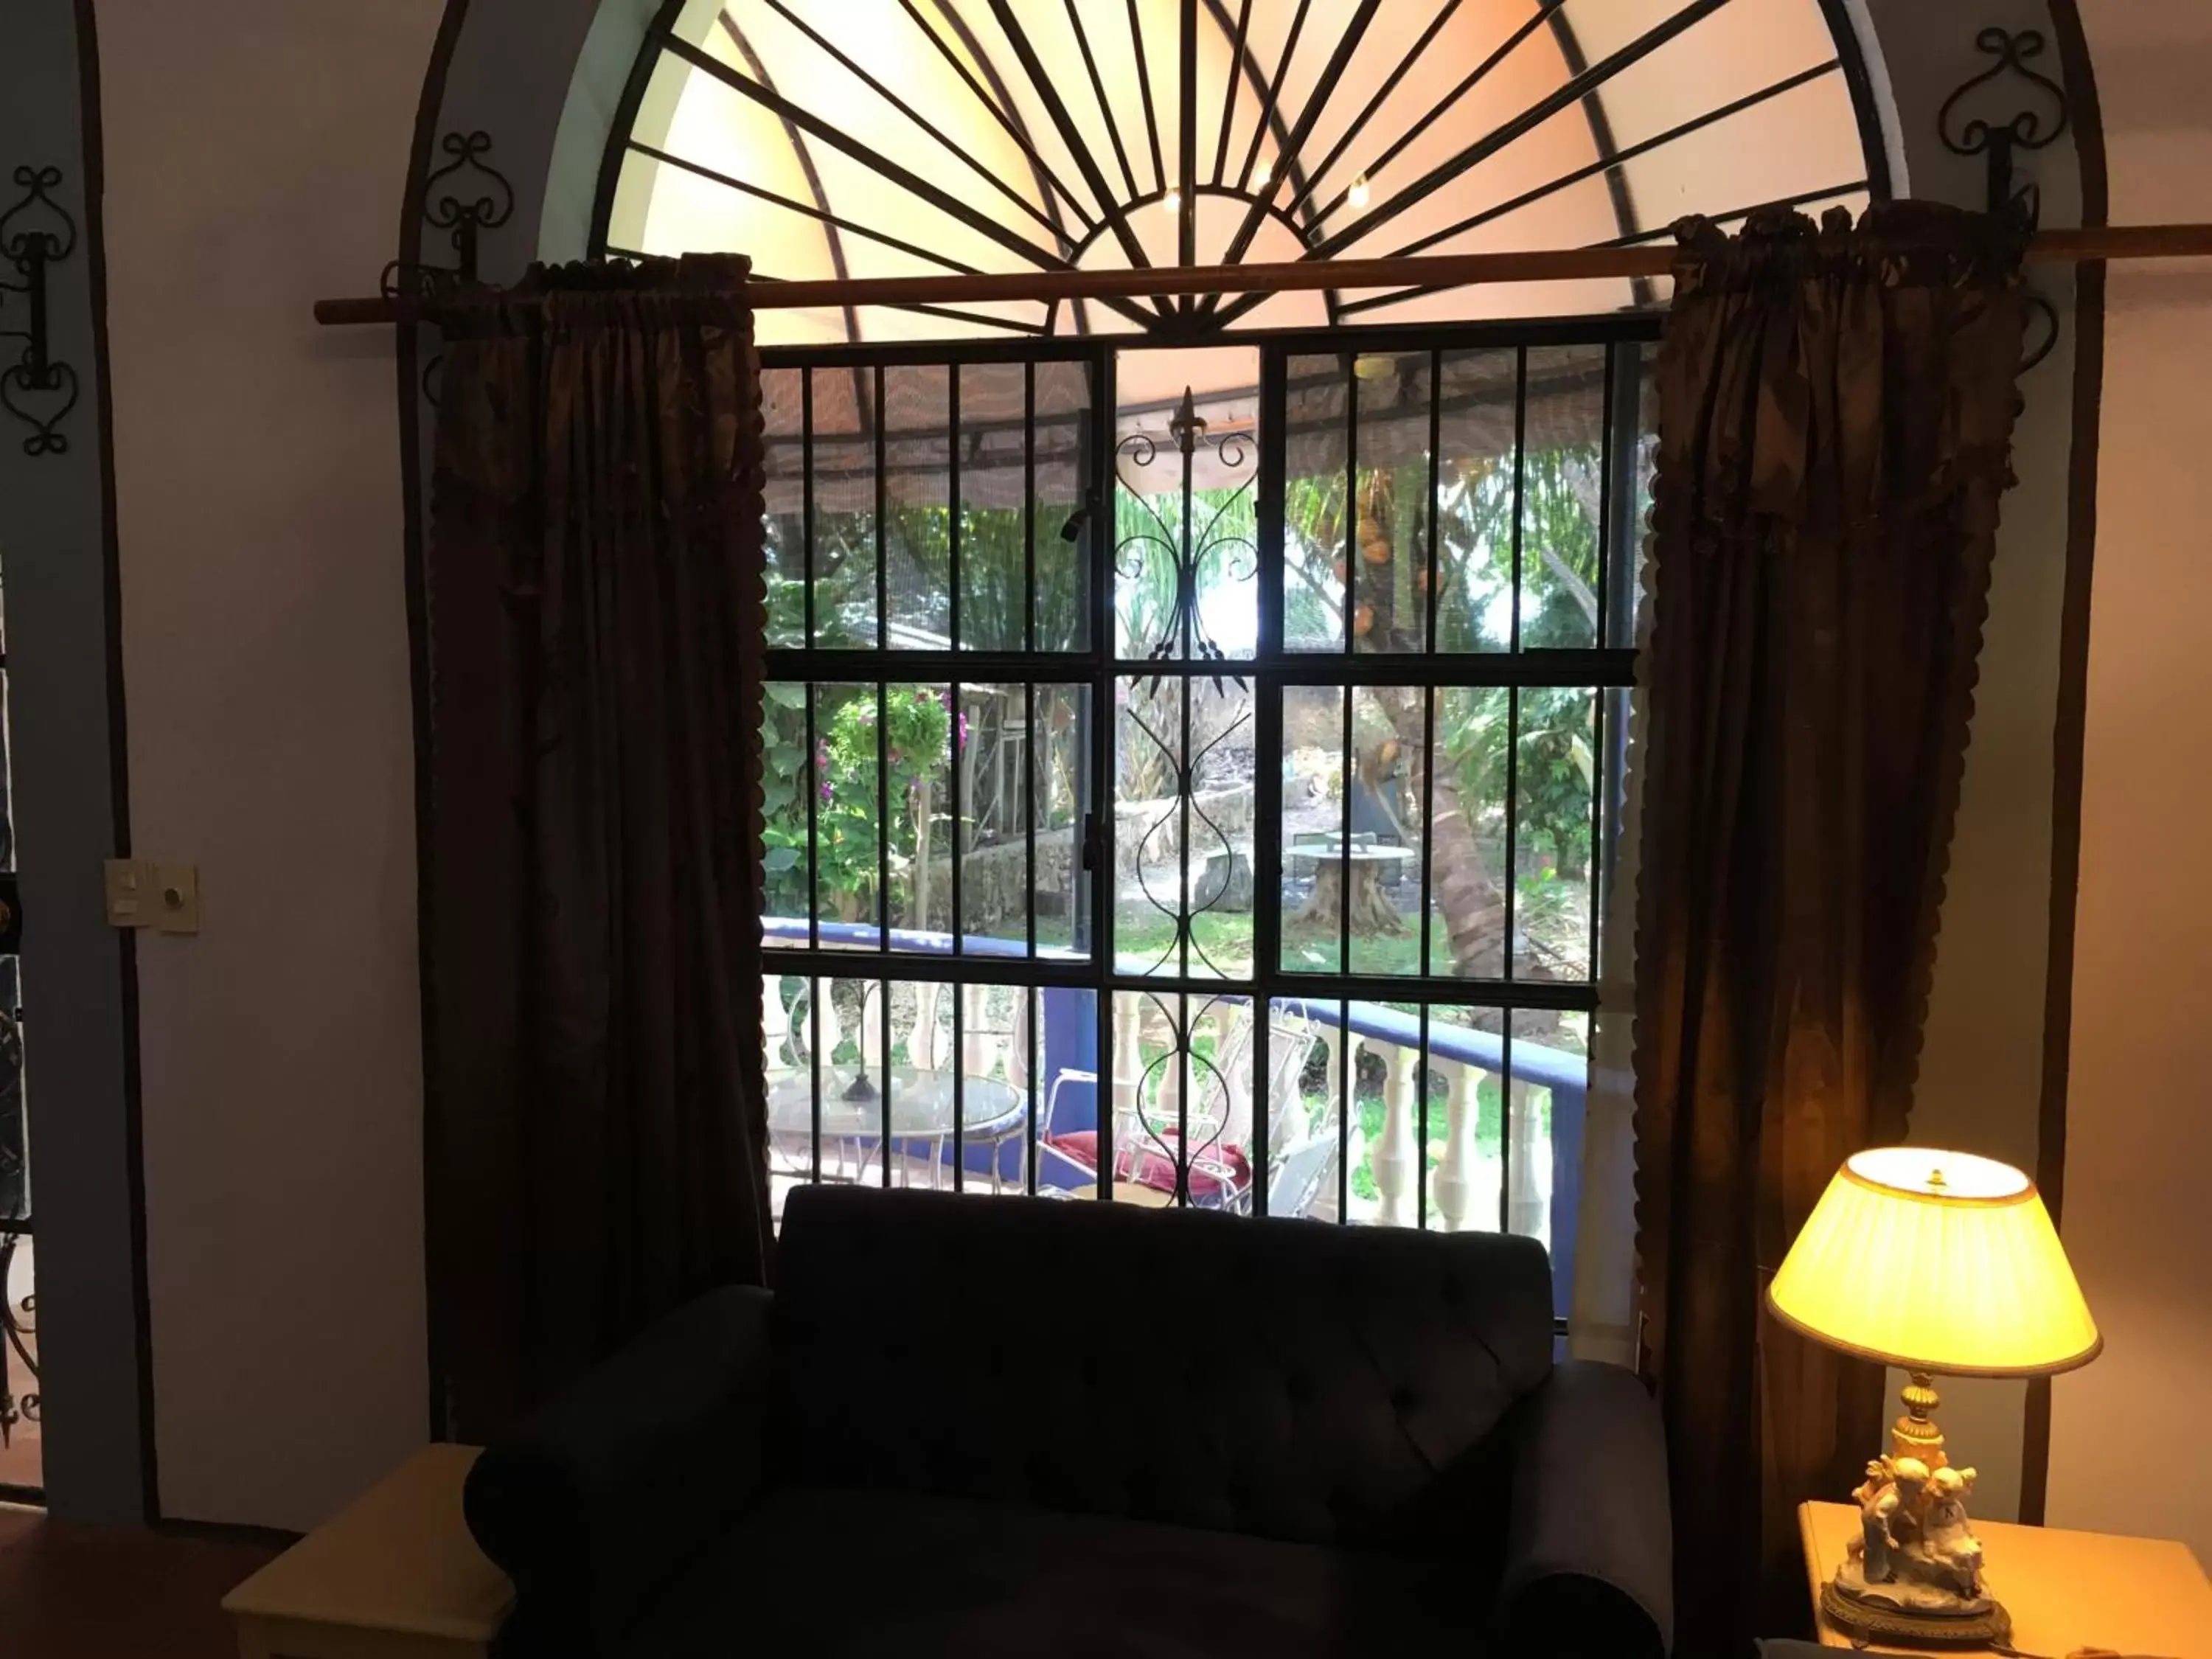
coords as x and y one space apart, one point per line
2132 1443
1981 1062
255 155
256 159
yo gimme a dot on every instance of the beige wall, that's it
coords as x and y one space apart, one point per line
2131 1441
256 157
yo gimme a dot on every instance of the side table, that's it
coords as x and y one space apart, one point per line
2065 1590
394 1576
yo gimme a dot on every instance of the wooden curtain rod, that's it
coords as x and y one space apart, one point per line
1424 272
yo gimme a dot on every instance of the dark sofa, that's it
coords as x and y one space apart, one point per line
991 1427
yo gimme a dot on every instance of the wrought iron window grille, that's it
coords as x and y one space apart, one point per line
1179 500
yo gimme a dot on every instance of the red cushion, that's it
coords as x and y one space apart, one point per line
1156 1169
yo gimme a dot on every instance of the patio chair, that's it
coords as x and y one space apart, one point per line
1218 1171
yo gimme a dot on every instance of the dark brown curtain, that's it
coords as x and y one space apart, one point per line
594 1154
1836 405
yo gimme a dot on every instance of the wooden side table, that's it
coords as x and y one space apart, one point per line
2065 1590
395 1576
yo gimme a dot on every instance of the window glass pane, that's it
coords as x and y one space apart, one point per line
849 852
1066 1106
1021 768
1183 862
1555 796
1474 547
1304 1147
1065 534
843 486
1543 1134
917 526
1315 740
1055 747
1562 497
1467 830
1314 442
1185 561
1363 894
1466 1103
920 733
1390 525
1644 467
994 527
1183 1100
789 776
784 503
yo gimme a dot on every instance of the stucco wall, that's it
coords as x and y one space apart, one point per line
256 158
2132 1443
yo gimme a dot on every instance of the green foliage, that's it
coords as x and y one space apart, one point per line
848 824
1557 768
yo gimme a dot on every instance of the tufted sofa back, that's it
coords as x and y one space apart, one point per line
1288 1379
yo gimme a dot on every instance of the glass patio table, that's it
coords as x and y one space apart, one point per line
921 1110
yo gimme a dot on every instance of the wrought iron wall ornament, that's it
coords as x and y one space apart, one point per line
464 198
2035 125
36 234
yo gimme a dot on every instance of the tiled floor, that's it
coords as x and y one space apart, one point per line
76 1592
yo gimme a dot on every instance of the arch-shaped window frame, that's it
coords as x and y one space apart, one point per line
1119 213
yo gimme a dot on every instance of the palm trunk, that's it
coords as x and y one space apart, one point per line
1472 902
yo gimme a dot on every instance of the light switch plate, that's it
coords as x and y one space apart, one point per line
145 893
176 898
129 892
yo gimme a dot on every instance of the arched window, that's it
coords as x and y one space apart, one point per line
1196 729
832 138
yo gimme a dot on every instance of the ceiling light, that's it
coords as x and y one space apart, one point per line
1173 201
1265 175
1358 194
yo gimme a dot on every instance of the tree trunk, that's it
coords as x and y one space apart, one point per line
1473 904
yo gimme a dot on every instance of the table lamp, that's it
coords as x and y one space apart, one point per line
1932 1262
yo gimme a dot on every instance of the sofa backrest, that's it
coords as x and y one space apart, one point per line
1289 1379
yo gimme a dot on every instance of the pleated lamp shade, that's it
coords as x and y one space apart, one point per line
1936 1262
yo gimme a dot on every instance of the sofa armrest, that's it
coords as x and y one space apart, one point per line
1589 1565
595 1505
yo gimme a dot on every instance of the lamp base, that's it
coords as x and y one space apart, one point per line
1880 1618
1915 1571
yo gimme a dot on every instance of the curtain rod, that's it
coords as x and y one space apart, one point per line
1421 271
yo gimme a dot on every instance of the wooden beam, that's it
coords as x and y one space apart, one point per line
1427 270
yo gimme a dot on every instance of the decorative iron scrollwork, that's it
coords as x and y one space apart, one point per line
464 198
1178 556
18 1332
2033 126
36 233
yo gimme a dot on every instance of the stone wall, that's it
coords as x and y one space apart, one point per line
995 880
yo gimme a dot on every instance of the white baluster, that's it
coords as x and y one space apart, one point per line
824 1010
1528 1194
871 1027
775 1025
1451 1186
1393 1157
1332 1043
924 1045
